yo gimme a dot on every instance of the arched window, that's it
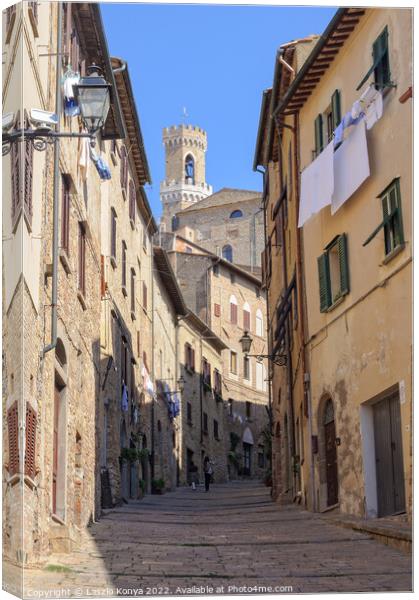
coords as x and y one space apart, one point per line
175 222
189 169
228 253
236 214
233 310
259 323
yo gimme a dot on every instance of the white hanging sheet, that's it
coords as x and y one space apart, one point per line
316 185
351 166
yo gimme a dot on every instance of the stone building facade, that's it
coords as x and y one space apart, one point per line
230 300
201 425
282 277
168 308
229 223
356 264
127 228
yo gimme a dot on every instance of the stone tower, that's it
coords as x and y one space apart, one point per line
185 184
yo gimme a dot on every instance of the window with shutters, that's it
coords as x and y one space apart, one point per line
380 63
233 362
246 320
144 296
82 260
124 268
132 202
21 162
132 293
189 358
113 237
30 447
333 273
13 433
246 368
206 373
326 123
65 214
216 432
217 310
392 224
124 171
233 310
217 385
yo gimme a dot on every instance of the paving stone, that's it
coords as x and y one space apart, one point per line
232 538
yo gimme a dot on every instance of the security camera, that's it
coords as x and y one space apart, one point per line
8 121
43 119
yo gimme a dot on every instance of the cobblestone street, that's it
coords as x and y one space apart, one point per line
230 539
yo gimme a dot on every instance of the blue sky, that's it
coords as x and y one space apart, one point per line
213 59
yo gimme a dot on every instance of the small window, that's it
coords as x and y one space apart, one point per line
132 201
392 219
124 264
132 291
236 214
227 253
246 319
216 433
246 368
233 362
217 310
233 310
248 410
144 296
175 223
333 273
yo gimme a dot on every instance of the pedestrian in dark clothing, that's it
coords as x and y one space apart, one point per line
208 471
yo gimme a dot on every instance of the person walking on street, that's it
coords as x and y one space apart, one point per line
208 471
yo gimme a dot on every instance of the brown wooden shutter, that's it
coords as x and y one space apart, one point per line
82 259
113 234
144 296
132 201
124 168
133 290
30 450
233 313
193 359
102 276
217 310
246 320
124 264
13 431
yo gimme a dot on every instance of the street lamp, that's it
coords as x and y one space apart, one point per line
93 96
246 343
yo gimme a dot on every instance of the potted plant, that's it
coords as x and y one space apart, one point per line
157 486
142 487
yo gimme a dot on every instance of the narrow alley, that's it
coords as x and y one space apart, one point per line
232 540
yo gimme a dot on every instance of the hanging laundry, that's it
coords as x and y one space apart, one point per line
316 185
374 110
71 108
101 166
350 166
124 400
84 157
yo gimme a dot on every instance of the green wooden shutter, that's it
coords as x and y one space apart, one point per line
380 58
336 113
318 134
343 264
324 282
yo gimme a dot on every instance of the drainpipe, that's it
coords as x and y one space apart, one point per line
268 328
56 188
305 367
153 408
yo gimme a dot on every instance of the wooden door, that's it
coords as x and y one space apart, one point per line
389 456
55 448
331 463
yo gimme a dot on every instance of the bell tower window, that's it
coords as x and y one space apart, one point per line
190 169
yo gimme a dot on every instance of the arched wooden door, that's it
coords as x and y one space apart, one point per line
331 454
